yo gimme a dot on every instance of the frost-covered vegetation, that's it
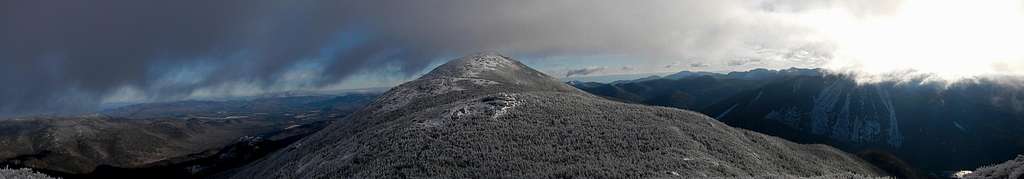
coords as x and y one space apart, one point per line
529 125
9 173
829 176
1013 169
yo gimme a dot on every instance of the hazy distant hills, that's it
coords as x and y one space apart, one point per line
689 90
488 116
692 93
269 106
932 125
145 137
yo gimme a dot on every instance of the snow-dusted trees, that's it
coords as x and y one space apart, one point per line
1010 169
9 173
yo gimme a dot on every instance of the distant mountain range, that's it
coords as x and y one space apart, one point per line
487 116
933 126
612 77
270 106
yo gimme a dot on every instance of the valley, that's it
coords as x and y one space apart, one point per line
167 140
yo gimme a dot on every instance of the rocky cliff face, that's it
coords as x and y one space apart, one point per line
836 109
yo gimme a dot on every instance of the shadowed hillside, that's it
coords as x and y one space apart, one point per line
1013 169
968 123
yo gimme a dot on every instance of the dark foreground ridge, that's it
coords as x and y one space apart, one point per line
486 115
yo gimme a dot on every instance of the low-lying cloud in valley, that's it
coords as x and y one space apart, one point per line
70 56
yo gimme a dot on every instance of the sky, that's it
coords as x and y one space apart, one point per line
71 56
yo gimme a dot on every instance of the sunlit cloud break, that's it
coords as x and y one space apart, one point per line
948 38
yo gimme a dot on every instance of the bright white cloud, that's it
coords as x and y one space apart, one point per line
949 38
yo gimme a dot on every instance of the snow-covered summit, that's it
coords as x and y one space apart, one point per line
475 66
479 73
490 68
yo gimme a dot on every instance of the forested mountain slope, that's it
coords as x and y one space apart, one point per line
486 115
968 123
1009 169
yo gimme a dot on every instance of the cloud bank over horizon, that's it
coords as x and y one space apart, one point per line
67 56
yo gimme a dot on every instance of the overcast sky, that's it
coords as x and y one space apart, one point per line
75 55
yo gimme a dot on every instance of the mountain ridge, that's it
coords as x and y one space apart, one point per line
913 117
517 122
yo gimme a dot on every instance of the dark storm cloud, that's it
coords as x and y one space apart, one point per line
584 71
698 65
69 55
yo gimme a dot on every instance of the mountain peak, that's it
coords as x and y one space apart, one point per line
487 116
492 68
477 74
476 66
